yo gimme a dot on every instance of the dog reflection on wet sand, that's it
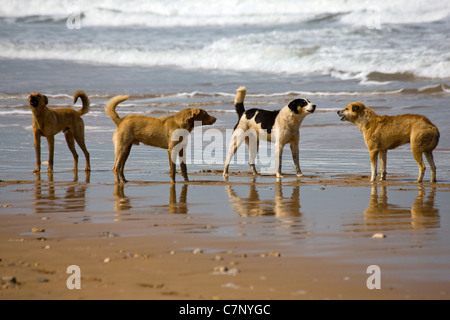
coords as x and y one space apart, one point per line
387 216
252 205
175 207
48 195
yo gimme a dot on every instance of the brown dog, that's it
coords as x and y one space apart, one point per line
382 133
156 132
48 122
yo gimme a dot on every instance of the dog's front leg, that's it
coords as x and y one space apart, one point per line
373 163
253 148
37 149
383 161
295 157
183 165
172 166
278 157
51 152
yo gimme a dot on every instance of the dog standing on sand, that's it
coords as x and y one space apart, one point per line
382 133
156 132
48 122
280 126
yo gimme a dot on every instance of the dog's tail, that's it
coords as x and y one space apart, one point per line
84 99
239 101
111 108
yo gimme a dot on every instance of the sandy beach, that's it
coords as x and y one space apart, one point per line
187 252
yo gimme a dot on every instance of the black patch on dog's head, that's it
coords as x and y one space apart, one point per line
295 104
36 99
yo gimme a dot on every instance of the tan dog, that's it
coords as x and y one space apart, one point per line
48 122
156 132
382 133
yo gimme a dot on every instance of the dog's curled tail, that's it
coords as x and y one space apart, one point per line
239 101
84 100
111 108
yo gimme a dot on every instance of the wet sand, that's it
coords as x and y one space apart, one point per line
240 239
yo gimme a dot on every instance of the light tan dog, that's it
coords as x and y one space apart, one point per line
382 133
156 132
48 122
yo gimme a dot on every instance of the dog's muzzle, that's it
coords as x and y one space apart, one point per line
341 115
34 101
313 108
212 120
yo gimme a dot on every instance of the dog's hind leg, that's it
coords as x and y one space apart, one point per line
121 156
123 160
70 139
430 159
417 154
79 138
236 140
116 169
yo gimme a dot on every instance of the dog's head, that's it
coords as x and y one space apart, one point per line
196 115
300 106
37 100
352 112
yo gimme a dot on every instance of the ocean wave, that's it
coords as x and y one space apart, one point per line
165 104
99 129
161 13
245 55
330 37
440 88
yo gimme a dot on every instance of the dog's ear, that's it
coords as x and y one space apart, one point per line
293 105
194 115
195 112
188 118
358 106
45 100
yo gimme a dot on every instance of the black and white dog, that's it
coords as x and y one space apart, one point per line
280 126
